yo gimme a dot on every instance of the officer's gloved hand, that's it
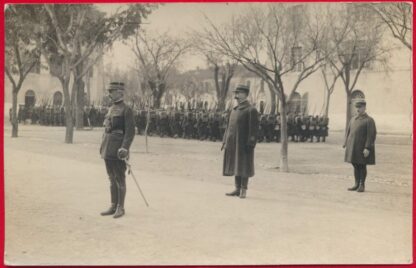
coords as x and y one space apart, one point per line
122 153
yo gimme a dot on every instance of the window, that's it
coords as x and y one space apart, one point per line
359 12
297 16
296 59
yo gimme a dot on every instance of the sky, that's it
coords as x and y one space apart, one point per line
178 19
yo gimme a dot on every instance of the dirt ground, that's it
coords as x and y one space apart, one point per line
54 193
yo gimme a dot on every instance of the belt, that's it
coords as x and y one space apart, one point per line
117 131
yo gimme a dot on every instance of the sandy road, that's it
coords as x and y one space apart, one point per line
54 193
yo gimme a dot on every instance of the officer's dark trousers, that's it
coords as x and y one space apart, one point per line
116 170
241 182
360 172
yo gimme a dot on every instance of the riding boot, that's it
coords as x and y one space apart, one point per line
114 200
361 187
109 211
236 192
119 212
244 183
356 185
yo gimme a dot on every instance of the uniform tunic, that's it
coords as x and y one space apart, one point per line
361 133
119 130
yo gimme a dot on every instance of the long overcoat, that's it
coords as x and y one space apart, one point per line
119 131
361 133
239 140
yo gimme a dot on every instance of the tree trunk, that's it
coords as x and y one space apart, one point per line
157 95
328 97
348 116
15 123
69 122
284 166
147 126
273 102
221 104
80 104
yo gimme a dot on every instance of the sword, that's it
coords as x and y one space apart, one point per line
135 180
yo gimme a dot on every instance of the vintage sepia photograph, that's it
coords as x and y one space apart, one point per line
208 133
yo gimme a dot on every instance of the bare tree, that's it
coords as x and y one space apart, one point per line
223 68
156 56
357 47
398 17
75 38
330 76
22 50
279 41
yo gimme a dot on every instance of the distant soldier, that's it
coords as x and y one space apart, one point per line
271 124
312 128
163 124
323 128
359 145
239 142
262 128
118 136
291 126
277 127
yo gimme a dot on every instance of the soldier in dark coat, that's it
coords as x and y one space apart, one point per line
359 145
239 142
118 136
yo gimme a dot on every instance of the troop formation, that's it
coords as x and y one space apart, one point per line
206 125
198 124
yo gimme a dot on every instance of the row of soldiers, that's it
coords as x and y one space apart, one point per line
55 115
195 124
205 125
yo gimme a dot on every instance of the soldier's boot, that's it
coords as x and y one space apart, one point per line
323 139
236 192
361 187
244 183
114 199
119 212
109 211
356 185
121 196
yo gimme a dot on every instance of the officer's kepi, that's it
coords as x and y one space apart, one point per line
242 88
116 86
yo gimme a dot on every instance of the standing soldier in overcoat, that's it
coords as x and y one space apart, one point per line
359 144
118 136
239 141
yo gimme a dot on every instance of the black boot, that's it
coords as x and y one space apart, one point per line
236 192
355 187
119 212
114 200
361 187
244 184
109 211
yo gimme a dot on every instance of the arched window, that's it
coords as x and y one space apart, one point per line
295 103
57 99
30 98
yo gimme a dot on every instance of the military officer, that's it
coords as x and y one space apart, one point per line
239 142
359 144
118 136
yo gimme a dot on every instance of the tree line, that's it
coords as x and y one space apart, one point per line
272 41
